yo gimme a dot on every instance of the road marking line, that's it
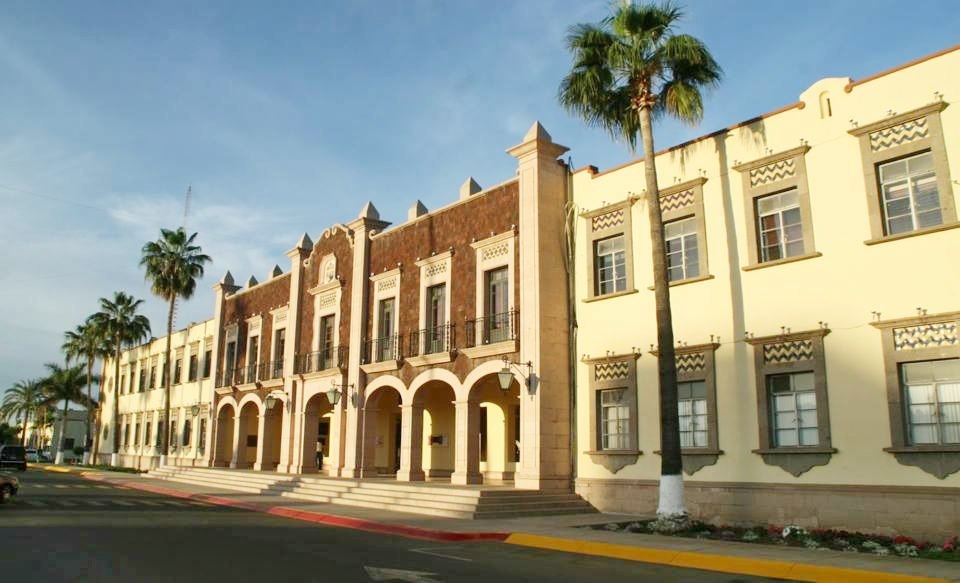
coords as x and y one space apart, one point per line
60 486
35 503
201 504
36 485
442 555
149 503
103 487
95 503
174 503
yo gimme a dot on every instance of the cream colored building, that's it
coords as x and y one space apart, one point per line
815 302
142 403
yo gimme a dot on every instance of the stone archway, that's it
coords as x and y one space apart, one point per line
497 433
318 430
433 403
226 420
382 432
247 435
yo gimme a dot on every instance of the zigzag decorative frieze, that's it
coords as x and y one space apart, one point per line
774 172
899 135
608 220
926 336
785 352
611 371
435 269
676 201
494 252
692 362
386 284
327 300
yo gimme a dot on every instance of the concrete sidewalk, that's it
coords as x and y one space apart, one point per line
561 533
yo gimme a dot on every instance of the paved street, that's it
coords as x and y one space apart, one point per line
63 527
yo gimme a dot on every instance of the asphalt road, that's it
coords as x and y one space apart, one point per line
62 527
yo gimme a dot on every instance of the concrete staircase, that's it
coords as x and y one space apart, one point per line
433 499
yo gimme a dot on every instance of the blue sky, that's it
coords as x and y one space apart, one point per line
287 116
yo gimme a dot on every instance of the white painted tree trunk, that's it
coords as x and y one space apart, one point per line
115 459
86 458
59 459
671 497
163 460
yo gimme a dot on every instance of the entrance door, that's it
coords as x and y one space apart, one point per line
323 439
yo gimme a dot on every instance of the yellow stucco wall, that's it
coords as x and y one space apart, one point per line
842 287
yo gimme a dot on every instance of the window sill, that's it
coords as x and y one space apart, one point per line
696 451
429 359
782 261
685 281
614 459
952 448
916 233
382 366
494 349
794 450
608 296
695 459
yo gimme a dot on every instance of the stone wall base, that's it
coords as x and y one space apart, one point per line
931 514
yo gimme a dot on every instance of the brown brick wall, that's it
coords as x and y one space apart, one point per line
262 298
457 227
927 513
332 241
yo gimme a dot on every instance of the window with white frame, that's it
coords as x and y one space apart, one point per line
932 397
498 319
683 253
609 263
192 367
185 437
253 356
793 407
202 437
614 419
327 342
911 200
780 225
178 370
692 408
436 319
386 328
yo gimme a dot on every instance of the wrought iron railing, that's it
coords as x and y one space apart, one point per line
231 377
383 349
433 340
270 370
493 328
326 358
250 373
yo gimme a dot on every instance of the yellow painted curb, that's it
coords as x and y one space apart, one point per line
720 563
59 469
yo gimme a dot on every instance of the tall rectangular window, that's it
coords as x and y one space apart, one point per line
164 370
497 308
436 318
910 197
793 399
153 377
327 341
146 434
178 371
692 407
185 437
932 398
192 368
230 360
123 384
610 266
386 324
779 225
279 346
202 438
207 363
683 254
142 379
136 435
614 419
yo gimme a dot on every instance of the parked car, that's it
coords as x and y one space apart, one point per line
13 457
8 487
33 456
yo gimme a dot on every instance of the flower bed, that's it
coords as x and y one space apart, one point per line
795 536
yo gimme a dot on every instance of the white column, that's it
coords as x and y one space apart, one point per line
467 460
411 444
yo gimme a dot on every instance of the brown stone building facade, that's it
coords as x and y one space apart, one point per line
377 351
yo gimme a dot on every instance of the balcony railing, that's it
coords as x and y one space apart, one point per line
433 340
327 358
250 373
493 328
383 349
231 377
270 370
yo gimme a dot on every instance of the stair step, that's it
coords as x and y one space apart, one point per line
403 508
406 502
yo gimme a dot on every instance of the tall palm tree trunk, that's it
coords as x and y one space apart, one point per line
115 414
168 380
86 437
63 432
23 429
670 504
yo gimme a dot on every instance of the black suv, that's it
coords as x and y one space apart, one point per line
13 457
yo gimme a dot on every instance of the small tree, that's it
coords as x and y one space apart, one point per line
627 70
87 343
64 384
21 401
173 265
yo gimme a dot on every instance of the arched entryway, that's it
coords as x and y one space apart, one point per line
270 429
248 433
497 436
226 419
382 432
434 401
318 427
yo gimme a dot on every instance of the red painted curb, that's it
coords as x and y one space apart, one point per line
317 517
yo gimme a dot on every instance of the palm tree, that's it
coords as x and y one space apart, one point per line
21 400
173 264
64 383
629 69
86 342
120 323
